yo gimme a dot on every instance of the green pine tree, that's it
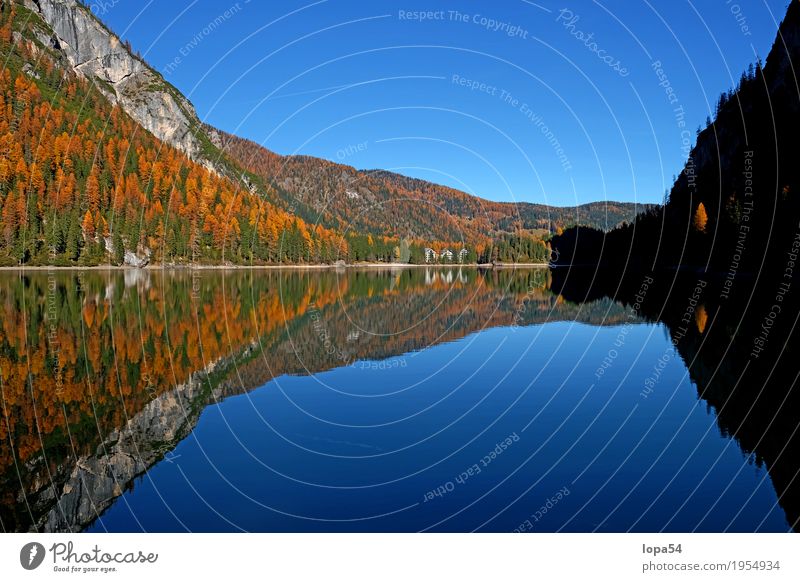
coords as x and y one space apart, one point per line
74 238
119 248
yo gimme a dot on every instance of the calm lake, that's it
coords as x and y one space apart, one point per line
377 400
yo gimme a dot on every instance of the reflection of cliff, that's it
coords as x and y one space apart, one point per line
89 485
740 357
119 369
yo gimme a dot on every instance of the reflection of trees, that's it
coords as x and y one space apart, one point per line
755 398
80 356
114 369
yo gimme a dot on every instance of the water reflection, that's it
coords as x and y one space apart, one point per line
103 374
738 342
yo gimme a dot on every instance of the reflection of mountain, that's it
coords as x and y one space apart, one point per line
103 374
740 350
88 486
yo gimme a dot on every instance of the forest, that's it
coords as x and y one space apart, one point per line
734 209
378 202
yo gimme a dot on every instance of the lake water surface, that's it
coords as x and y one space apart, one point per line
394 400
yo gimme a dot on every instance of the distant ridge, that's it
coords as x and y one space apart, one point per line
388 203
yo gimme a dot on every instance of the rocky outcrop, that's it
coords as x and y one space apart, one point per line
96 53
134 260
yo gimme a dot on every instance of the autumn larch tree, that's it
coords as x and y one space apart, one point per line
700 218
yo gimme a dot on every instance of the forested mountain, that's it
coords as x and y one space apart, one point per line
103 161
735 208
79 177
386 203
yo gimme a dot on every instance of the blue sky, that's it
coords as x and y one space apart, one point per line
557 103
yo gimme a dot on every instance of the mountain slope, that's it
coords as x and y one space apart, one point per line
92 50
82 183
735 207
386 203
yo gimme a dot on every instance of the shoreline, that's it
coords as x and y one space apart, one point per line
179 268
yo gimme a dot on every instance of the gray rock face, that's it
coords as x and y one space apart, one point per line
96 53
134 260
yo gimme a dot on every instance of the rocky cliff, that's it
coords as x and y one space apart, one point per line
96 53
